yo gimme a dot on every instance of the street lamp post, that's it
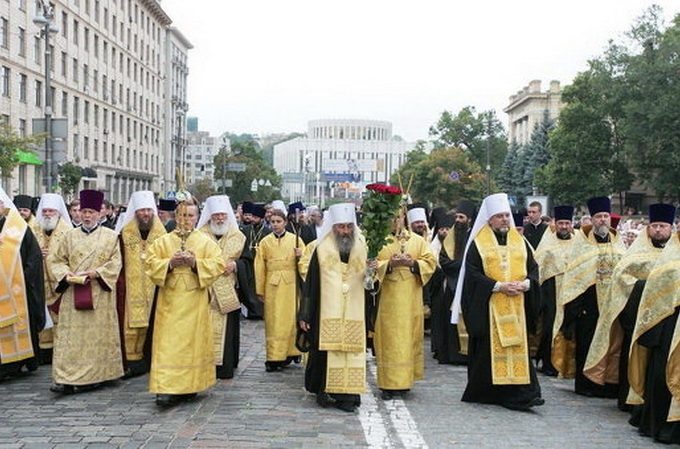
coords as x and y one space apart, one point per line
48 27
488 158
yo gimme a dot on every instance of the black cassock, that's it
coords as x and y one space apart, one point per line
446 343
315 369
232 337
477 291
650 418
32 264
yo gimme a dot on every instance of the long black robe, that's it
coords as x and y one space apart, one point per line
254 234
627 319
477 291
547 311
444 334
650 418
232 337
32 264
315 369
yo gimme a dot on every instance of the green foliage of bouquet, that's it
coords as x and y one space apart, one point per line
380 206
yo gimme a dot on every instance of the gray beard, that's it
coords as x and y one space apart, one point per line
602 231
219 229
48 224
345 244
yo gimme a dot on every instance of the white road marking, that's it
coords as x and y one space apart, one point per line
374 423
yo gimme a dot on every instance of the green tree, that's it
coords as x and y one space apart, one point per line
10 144
475 134
584 146
431 181
69 178
538 150
507 181
202 189
246 152
650 94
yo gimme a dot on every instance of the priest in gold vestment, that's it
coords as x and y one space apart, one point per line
138 228
404 267
332 312
276 278
219 223
500 303
22 308
618 316
53 223
183 264
86 264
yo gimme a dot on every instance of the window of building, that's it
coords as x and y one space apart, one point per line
76 69
4 33
64 25
86 38
22 42
22 127
86 148
23 87
86 111
64 64
76 110
64 104
76 26
38 92
95 46
37 50
5 81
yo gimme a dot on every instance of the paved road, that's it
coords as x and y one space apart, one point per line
271 410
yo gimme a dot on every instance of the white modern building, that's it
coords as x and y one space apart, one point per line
338 157
112 63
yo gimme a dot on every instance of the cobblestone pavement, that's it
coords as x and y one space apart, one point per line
271 410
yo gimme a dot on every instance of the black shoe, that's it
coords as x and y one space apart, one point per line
62 389
272 367
166 400
552 372
86 388
297 359
386 395
535 402
346 406
188 397
324 400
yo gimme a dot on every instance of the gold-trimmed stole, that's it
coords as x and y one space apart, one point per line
507 320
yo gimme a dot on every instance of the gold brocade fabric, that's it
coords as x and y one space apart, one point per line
398 338
636 264
507 327
660 297
50 243
139 290
182 359
592 264
449 243
303 264
553 256
342 330
223 295
87 349
275 279
673 375
15 326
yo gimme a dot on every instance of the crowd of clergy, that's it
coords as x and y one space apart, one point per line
159 287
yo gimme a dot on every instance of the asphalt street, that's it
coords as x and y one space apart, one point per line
257 409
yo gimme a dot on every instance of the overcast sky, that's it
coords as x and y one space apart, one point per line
263 66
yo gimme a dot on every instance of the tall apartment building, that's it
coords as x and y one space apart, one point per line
200 155
110 67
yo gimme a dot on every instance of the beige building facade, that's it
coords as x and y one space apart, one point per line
529 106
109 70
